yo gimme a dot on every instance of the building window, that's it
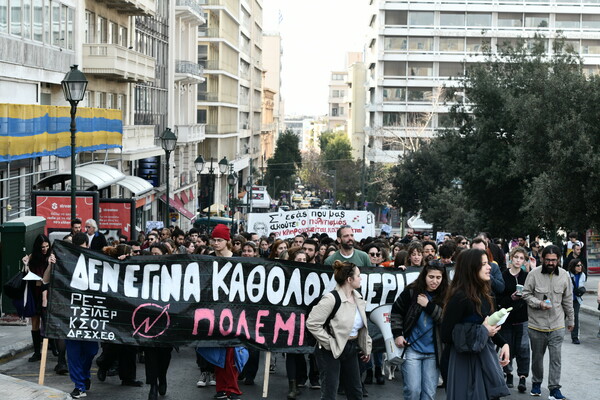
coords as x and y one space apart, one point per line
452 19
475 45
421 18
452 44
102 30
394 68
590 46
395 43
55 24
420 44
510 20
27 19
338 77
15 17
591 21
420 68
394 94
90 26
479 19
419 94
451 69
567 21
3 16
38 20
335 110
536 20
395 17
391 144
393 119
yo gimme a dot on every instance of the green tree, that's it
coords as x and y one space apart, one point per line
284 163
526 148
336 150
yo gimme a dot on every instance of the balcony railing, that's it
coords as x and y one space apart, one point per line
190 10
117 62
132 7
188 71
137 137
213 129
190 133
208 96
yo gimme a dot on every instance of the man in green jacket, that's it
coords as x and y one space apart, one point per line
347 252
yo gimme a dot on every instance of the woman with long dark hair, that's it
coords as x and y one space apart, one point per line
472 370
416 317
37 262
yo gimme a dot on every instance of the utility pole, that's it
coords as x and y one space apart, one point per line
363 178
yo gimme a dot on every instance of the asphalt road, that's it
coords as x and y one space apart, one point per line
581 364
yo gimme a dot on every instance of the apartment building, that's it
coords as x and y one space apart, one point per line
415 48
140 59
339 101
272 126
230 46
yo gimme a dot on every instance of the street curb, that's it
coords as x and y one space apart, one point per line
14 388
9 352
589 310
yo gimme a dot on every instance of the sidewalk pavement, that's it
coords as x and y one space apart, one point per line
17 389
14 340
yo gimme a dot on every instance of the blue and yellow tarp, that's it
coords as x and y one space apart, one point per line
28 130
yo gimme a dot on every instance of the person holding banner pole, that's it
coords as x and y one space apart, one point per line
157 359
80 353
37 263
341 338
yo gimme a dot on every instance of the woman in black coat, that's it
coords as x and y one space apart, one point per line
39 260
472 369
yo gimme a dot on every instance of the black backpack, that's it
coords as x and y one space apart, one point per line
334 310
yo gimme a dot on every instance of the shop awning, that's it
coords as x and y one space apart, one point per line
136 185
99 175
178 205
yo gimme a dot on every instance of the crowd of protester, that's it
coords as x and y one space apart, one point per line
441 325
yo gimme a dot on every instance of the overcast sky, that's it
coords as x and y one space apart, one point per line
316 35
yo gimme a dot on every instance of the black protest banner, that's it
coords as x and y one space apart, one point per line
195 300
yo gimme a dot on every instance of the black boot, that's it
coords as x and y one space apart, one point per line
369 377
153 394
293 393
61 365
162 385
37 344
379 376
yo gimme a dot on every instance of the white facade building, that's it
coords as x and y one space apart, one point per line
415 47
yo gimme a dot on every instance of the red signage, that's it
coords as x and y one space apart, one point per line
116 215
57 210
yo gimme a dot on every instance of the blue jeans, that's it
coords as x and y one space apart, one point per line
420 375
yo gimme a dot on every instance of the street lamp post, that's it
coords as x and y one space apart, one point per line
168 141
74 85
231 181
199 164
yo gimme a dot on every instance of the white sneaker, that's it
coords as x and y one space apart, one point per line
203 382
211 380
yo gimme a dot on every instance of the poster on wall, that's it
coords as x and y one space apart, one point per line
55 206
117 216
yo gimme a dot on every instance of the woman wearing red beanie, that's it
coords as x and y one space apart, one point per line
221 241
